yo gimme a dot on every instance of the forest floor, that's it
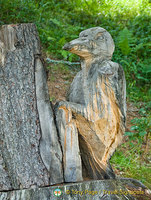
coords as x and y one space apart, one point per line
131 159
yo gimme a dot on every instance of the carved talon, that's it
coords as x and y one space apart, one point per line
63 104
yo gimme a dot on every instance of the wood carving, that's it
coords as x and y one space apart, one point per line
39 147
35 148
95 108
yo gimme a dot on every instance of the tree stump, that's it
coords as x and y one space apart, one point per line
30 152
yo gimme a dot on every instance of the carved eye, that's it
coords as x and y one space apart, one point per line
99 36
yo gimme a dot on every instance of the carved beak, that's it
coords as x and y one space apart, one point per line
73 45
67 47
79 47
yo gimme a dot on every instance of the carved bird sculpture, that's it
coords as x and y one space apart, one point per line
97 101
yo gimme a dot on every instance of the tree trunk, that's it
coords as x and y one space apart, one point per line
30 153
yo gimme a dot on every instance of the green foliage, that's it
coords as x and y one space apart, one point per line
128 22
125 39
131 163
134 161
141 125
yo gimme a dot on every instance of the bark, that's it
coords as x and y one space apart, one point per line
27 129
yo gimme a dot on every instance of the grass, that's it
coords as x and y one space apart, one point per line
131 162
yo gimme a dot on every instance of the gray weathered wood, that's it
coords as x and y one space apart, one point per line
97 100
30 153
120 189
50 149
68 135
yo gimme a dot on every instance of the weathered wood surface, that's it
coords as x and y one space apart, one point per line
30 152
120 189
97 101
68 135
50 147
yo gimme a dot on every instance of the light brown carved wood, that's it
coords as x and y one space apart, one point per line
97 99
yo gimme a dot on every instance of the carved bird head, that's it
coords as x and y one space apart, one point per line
94 42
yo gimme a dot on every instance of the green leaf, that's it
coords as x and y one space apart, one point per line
129 134
51 39
64 53
141 77
142 133
134 128
62 41
55 21
124 39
